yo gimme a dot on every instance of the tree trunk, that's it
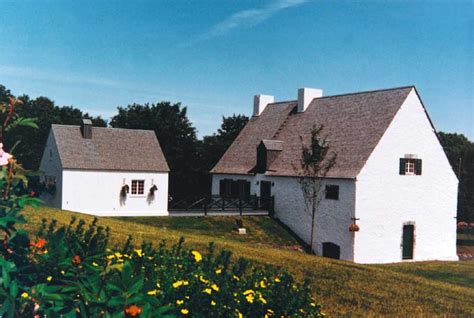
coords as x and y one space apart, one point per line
313 216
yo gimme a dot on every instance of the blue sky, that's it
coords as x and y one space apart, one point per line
213 56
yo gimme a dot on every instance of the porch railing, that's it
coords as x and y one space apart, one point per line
222 204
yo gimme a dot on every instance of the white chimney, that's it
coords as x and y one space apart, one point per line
260 102
306 96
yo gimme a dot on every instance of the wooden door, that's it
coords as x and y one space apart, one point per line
331 250
408 241
265 194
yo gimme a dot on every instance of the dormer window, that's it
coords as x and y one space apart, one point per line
410 165
267 152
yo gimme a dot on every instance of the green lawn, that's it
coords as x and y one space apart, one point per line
344 288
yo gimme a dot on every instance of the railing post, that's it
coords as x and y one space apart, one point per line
240 206
205 207
223 203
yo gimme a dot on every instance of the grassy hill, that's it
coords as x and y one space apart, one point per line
344 288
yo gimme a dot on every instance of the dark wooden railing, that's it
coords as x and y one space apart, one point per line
221 204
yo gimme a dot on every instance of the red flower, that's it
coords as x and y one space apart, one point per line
132 311
76 260
40 243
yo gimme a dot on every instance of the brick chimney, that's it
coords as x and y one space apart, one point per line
86 128
306 96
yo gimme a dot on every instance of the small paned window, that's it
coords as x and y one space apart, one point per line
138 187
332 192
410 167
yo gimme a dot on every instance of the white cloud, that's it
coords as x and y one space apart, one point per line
36 74
246 18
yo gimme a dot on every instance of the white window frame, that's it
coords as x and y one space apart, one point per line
410 166
137 194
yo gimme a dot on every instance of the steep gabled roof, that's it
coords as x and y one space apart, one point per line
109 149
353 124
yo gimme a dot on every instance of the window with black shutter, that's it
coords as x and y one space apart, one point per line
410 166
332 192
229 188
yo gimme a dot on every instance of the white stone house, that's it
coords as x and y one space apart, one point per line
391 175
105 171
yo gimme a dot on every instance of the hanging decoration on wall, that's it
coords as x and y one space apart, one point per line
152 190
124 191
354 227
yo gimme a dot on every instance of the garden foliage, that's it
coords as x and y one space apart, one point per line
71 271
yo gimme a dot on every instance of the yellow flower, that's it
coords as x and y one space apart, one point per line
63 272
158 285
49 278
240 315
45 251
205 281
262 284
213 303
139 252
313 305
218 271
118 255
197 256
152 292
250 298
207 291
248 291
263 300
184 311
180 283
179 302
277 280
95 264
109 257
24 295
236 277
215 287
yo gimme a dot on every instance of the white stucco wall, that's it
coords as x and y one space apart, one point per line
333 216
51 166
386 200
98 193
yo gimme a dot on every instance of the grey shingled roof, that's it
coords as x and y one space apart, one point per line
273 144
353 124
109 149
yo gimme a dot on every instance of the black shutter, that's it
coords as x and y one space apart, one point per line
247 189
234 189
402 166
222 188
418 167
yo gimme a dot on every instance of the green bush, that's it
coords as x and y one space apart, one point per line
69 271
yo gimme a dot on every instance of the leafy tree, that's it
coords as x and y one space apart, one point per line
460 153
177 138
316 161
32 142
215 146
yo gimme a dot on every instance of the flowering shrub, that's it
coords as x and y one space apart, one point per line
69 271
191 283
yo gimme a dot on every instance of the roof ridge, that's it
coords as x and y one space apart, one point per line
347 94
96 127
371 91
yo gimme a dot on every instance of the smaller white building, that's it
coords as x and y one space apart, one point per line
105 171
